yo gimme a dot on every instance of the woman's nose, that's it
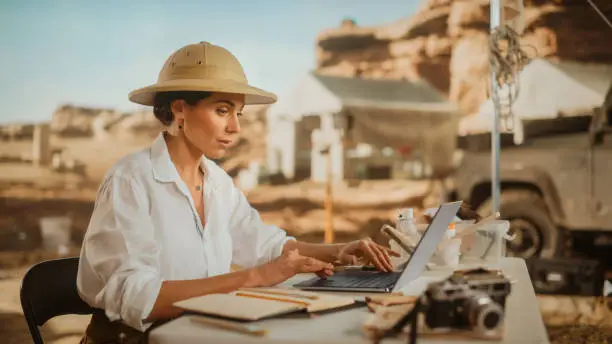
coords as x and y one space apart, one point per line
233 126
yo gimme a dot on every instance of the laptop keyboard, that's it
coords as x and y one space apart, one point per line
358 279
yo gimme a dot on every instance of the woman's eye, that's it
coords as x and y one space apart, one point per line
222 111
239 114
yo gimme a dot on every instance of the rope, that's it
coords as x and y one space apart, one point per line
507 59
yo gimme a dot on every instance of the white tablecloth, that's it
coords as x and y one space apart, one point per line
523 322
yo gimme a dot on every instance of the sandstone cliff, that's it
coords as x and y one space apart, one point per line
83 131
445 42
77 121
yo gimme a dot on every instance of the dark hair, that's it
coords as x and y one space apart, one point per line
163 102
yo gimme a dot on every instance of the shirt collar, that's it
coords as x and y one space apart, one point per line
163 168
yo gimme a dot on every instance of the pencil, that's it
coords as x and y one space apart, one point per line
282 293
272 298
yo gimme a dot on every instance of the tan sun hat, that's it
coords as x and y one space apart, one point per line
202 67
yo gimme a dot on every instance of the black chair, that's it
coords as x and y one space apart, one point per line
48 290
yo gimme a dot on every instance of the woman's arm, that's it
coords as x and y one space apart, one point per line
173 291
325 252
348 253
269 274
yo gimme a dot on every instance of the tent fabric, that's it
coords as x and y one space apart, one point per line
394 128
432 133
381 92
308 97
383 113
549 89
318 94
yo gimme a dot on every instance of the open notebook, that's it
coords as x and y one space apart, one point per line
259 303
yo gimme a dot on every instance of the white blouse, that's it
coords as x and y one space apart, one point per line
145 229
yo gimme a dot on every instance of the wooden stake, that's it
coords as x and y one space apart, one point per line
329 210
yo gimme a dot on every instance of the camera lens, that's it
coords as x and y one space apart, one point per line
491 320
484 315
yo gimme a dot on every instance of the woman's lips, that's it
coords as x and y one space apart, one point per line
225 143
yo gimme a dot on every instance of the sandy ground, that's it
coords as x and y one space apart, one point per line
587 325
298 208
28 193
97 154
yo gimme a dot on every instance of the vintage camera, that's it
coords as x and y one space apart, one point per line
474 302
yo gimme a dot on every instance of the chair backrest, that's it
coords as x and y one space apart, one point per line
49 289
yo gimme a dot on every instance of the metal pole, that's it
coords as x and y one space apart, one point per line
495 16
329 203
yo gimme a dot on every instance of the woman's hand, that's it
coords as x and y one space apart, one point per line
367 251
289 264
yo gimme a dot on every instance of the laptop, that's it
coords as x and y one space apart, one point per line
385 282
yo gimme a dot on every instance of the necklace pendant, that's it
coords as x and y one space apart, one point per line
198 188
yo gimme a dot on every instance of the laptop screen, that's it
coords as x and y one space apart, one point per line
427 245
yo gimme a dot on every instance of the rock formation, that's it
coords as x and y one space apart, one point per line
446 43
73 121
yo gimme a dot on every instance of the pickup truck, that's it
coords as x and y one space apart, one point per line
556 186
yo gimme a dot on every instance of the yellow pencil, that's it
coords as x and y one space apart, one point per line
282 293
272 298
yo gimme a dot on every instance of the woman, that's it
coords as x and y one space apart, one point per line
168 222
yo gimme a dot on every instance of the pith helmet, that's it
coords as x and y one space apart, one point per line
202 67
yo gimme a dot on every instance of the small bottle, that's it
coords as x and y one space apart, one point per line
448 250
405 223
451 231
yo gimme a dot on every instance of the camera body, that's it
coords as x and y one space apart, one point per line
474 302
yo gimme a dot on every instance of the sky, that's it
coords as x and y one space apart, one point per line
93 53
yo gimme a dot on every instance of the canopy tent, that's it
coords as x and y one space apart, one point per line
548 89
383 113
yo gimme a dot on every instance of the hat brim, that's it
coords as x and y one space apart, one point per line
253 95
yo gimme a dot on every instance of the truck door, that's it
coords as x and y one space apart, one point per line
602 174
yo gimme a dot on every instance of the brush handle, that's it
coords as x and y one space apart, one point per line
394 235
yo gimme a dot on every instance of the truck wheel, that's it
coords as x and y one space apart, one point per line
536 235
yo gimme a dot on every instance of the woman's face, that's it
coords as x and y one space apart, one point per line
212 125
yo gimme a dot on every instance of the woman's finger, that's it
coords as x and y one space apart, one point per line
389 251
381 253
349 259
387 258
372 256
310 264
325 273
383 257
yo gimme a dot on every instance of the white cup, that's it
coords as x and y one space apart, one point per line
488 243
448 252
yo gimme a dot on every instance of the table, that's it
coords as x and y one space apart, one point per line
523 322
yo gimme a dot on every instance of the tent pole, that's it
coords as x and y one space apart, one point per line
329 199
495 21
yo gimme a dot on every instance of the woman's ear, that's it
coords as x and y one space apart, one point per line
178 109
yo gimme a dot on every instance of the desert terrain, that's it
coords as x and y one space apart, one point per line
444 43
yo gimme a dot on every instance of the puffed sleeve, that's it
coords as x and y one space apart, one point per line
254 242
119 269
